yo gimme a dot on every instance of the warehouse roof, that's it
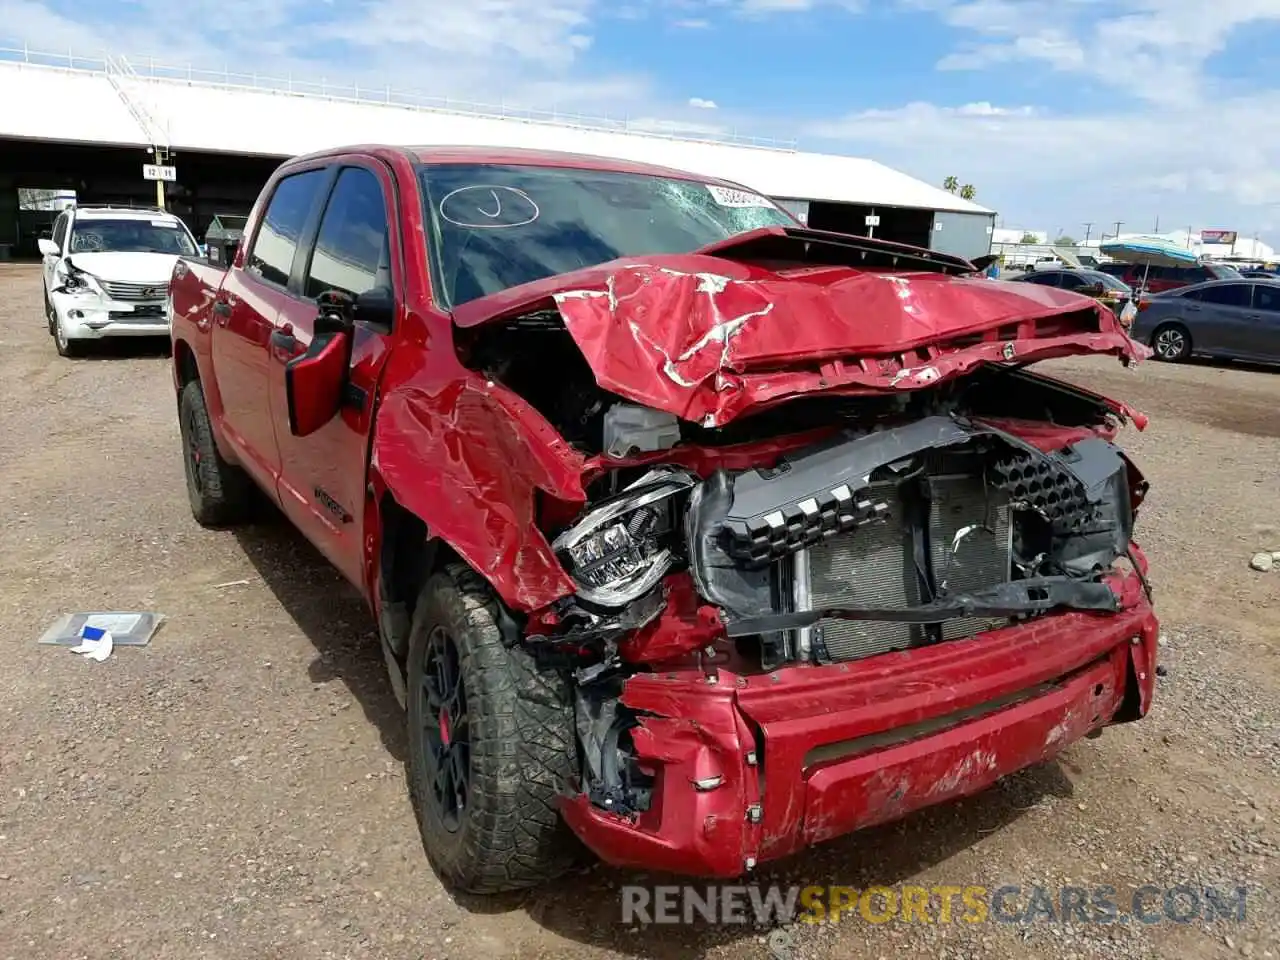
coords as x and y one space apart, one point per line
115 104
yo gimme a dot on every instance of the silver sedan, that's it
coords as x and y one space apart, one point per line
1229 319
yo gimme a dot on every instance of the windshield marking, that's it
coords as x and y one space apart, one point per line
528 216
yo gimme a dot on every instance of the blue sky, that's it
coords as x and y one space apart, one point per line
1058 111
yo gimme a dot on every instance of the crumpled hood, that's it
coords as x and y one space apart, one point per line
127 267
708 338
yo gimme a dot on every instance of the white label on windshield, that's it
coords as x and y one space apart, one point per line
727 197
164 223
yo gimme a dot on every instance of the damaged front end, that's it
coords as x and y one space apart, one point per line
819 609
741 635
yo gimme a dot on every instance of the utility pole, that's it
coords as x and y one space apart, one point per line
1157 229
162 159
1088 229
1119 224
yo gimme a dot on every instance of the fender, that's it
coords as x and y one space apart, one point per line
469 458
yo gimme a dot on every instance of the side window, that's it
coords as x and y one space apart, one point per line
352 251
1072 281
60 230
1267 297
1199 274
1227 295
276 241
1044 279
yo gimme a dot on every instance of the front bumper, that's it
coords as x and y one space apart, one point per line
808 753
87 316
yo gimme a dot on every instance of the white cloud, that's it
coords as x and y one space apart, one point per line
691 24
1199 163
701 104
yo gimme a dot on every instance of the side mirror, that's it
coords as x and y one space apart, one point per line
48 248
314 382
376 306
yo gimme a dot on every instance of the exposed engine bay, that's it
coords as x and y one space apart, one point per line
823 530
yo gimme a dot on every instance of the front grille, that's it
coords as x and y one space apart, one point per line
119 290
968 535
147 313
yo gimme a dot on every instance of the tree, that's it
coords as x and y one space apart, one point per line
1065 241
1029 238
951 184
968 191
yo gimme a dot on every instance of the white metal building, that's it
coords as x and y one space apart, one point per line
114 102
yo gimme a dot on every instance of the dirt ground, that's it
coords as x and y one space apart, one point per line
237 790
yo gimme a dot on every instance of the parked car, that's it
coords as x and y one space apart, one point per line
1102 287
652 490
1258 274
1230 319
1159 279
106 273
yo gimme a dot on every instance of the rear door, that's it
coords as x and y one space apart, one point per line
1264 329
252 295
354 251
1219 317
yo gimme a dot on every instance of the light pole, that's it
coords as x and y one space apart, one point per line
1119 224
1088 229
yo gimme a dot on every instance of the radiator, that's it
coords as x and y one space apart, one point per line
970 546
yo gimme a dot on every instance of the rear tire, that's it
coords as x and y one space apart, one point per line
1171 342
220 493
491 744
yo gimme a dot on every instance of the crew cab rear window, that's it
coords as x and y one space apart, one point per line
352 247
276 242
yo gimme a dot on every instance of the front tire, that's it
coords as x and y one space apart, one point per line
219 492
491 744
1171 342
65 346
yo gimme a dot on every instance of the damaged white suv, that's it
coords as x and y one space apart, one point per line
106 273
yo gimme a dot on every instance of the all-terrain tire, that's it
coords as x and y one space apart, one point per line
221 494
1171 342
520 734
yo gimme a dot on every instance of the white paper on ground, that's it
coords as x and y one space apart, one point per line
98 649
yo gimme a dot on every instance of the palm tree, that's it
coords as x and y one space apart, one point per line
968 192
951 184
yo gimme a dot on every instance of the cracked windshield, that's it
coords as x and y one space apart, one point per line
495 227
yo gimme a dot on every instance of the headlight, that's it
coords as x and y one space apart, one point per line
621 548
75 280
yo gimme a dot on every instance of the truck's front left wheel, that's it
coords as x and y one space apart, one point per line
220 493
491 744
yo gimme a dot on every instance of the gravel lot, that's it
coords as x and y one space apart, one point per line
237 789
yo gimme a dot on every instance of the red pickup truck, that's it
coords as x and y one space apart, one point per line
701 534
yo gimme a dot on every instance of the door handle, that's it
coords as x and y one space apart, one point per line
223 309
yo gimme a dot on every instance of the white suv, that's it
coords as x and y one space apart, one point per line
106 273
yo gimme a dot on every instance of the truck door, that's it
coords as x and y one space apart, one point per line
254 292
323 475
